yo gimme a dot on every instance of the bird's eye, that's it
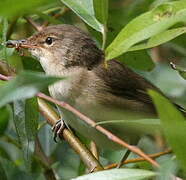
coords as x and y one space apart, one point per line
49 40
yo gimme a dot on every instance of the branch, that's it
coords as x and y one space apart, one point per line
36 26
85 155
156 155
90 161
57 15
89 121
6 70
5 78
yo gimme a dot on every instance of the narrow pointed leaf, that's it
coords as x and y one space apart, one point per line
17 7
147 25
160 38
25 85
27 145
101 10
31 118
139 60
4 118
118 174
174 125
85 10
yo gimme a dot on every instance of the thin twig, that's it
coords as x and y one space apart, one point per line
156 155
55 16
104 37
36 26
99 128
5 78
90 161
89 121
6 70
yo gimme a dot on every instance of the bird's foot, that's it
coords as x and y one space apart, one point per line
58 129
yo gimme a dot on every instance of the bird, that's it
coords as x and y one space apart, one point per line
104 93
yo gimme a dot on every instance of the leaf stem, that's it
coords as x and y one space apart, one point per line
104 37
89 121
90 161
156 155
99 128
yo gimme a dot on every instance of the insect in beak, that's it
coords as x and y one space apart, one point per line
19 45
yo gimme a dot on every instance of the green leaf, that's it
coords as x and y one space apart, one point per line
174 125
31 118
138 122
4 153
5 29
17 7
2 173
118 174
27 145
3 51
147 25
84 9
138 59
4 118
160 38
101 10
48 18
25 85
148 126
12 171
6 52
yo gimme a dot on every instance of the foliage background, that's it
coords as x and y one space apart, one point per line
103 20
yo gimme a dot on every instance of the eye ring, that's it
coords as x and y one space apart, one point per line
49 40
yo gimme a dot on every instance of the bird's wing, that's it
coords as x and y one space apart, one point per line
125 84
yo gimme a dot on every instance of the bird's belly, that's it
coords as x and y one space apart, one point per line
127 131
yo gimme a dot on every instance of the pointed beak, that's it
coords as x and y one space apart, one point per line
19 44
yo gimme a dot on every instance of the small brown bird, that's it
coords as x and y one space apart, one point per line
101 93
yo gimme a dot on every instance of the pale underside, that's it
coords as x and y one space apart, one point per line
86 92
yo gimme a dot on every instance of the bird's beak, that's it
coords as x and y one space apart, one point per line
19 44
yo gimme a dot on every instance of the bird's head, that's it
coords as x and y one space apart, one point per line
65 45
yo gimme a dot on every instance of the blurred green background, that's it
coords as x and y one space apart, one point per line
103 20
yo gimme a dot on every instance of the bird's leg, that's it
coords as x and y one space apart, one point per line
124 158
58 128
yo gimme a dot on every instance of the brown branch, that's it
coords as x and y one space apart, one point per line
156 155
99 128
57 15
85 155
90 161
110 136
36 26
6 70
5 78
